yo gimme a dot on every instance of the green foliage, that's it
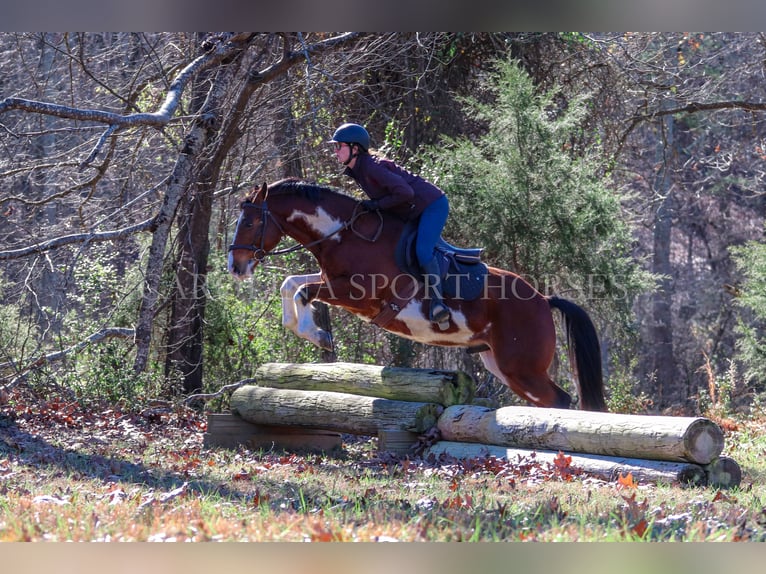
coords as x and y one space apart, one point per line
622 386
100 294
537 208
243 326
104 373
750 260
16 332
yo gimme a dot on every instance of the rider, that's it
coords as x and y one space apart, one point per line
394 189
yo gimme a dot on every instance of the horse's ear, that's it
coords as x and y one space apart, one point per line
262 193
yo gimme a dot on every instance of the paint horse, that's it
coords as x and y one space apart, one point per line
510 324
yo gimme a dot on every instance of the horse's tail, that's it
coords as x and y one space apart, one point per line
584 353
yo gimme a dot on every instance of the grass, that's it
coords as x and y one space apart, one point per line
70 473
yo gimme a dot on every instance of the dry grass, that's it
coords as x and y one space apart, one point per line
73 474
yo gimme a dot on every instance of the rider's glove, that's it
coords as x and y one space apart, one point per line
370 204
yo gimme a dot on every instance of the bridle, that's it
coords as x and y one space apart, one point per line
260 253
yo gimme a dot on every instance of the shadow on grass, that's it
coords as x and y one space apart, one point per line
43 458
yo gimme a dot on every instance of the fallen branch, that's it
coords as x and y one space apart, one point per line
223 390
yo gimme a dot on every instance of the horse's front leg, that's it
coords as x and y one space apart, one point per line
297 311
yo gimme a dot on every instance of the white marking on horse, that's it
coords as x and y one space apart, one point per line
296 316
320 221
532 397
423 330
488 358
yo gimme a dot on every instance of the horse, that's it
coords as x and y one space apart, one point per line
510 325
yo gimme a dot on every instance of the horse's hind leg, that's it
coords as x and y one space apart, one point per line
535 387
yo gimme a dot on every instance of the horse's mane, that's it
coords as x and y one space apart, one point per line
307 189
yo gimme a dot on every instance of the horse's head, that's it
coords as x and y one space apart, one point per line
256 234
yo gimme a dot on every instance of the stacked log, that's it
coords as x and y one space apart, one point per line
608 468
397 383
329 410
294 402
682 439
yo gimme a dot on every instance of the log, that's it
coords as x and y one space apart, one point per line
603 467
723 472
680 439
396 383
231 431
341 412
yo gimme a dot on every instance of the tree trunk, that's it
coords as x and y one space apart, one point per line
681 439
341 412
661 357
179 183
185 330
187 313
396 383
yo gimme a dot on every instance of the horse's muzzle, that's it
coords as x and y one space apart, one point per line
241 269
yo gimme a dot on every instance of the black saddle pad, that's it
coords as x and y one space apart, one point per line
462 270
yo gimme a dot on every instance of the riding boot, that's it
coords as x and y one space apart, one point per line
439 312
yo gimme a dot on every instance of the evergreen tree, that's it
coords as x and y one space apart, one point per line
751 262
536 205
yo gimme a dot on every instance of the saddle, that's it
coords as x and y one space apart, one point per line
462 271
462 275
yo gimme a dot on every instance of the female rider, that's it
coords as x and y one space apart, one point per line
394 189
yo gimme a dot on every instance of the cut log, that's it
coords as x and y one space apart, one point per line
723 472
231 431
341 412
395 383
603 467
682 439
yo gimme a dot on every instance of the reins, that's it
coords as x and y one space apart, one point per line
267 216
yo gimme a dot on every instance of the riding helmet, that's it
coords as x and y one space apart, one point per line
352 134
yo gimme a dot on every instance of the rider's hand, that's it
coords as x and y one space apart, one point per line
370 204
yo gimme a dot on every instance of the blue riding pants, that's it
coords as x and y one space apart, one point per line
430 228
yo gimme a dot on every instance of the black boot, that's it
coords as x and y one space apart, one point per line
439 313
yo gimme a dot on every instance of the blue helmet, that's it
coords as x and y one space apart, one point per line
352 134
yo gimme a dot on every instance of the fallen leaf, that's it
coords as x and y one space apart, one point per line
640 528
626 481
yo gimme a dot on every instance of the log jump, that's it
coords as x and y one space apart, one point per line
302 405
681 439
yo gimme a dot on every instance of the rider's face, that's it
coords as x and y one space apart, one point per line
342 152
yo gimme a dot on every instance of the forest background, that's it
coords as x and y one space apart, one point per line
624 171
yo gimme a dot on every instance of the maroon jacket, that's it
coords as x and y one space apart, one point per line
393 187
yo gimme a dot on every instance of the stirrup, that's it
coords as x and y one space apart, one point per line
440 314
